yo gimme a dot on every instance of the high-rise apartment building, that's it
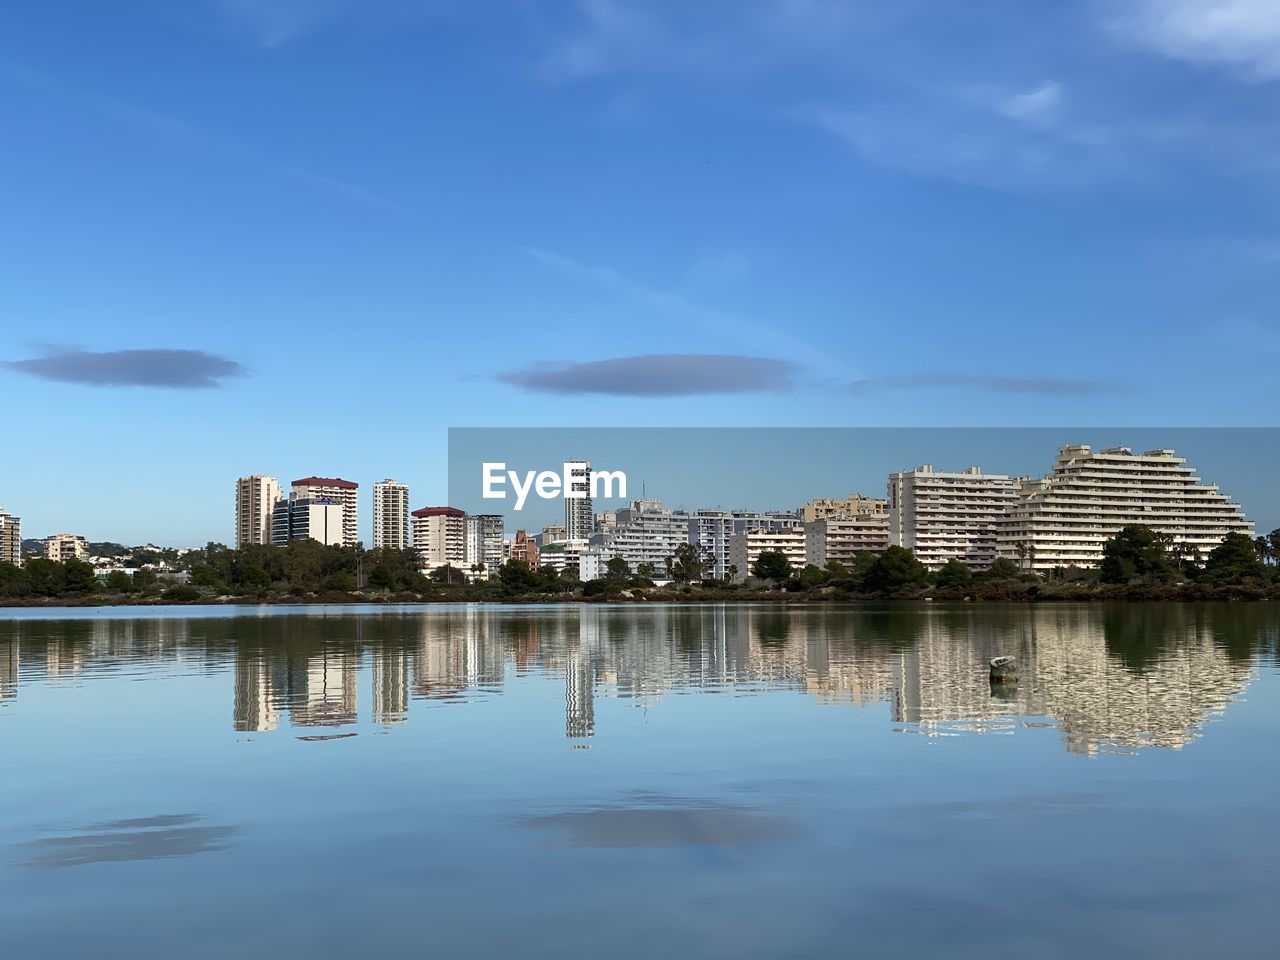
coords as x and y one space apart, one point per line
322 519
256 497
484 535
62 547
646 533
710 530
854 505
440 537
345 492
1065 518
579 518
948 516
391 515
10 539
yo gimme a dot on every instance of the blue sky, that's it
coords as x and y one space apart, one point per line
357 224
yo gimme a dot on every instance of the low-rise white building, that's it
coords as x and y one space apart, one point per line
841 539
62 547
745 549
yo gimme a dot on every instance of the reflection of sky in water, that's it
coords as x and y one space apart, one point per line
346 784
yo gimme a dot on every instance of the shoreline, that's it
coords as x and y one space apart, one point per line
1232 594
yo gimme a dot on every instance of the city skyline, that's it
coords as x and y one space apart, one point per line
639 212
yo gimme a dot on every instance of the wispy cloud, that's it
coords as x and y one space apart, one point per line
1241 33
1028 385
657 375
278 22
750 334
1008 138
728 38
1034 106
172 369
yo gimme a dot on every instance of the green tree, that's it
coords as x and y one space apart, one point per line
687 564
896 569
1134 552
617 569
516 577
772 565
119 582
448 574
144 578
812 576
45 577
1234 560
955 574
1002 568
78 577
13 580
253 580
381 577
341 581
206 575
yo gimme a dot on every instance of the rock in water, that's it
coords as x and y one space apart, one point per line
1004 670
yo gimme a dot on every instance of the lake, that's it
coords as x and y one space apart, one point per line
632 781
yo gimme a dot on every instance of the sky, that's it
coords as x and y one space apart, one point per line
303 237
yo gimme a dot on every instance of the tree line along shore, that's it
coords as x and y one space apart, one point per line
1137 565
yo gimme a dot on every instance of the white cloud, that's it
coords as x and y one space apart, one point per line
1243 33
1034 106
987 136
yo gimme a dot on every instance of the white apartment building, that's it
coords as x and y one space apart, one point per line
391 515
484 543
256 497
579 518
561 555
948 516
440 537
841 539
593 563
854 505
745 549
10 539
710 530
1065 518
646 533
62 547
322 519
345 492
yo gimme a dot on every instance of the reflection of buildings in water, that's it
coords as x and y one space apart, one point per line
253 709
457 652
8 669
328 690
927 664
1068 674
1100 703
941 682
579 696
390 684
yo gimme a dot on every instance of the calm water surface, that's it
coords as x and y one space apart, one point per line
736 781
